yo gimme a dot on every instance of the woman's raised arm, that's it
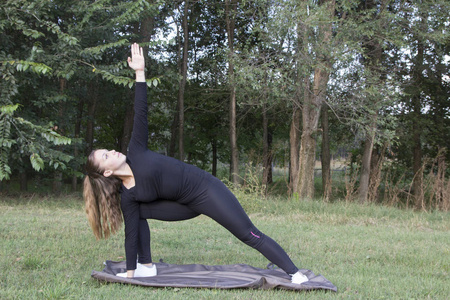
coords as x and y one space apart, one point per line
139 137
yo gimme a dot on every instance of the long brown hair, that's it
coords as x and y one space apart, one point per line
102 200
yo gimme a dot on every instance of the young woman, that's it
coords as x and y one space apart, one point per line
154 186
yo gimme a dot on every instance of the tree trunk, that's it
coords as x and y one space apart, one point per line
57 180
267 151
417 167
376 167
234 163
326 157
302 91
146 29
127 123
23 180
176 120
417 132
182 84
294 139
307 156
363 189
269 168
174 134
312 104
373 53
77 135
92 103
214 157
230 23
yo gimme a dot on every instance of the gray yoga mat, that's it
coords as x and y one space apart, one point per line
217 277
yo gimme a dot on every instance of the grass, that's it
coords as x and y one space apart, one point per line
47 250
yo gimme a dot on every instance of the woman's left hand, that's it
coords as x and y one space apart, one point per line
137 60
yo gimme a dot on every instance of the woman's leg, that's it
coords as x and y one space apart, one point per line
166 210
163 210
222 206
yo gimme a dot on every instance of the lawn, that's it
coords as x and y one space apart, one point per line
47 250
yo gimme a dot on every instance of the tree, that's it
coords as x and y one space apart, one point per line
372 59
22 134
325 155
425 98
183 74
230 14
312 104
44 45
269 63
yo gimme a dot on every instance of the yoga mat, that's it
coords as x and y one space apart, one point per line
217 277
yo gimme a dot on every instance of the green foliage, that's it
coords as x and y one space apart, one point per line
8 110
23 65
64 72
30 138
43 43
99 50
21 137
36 162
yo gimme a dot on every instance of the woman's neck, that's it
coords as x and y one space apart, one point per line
128 182
126 175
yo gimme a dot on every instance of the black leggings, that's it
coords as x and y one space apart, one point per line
222 206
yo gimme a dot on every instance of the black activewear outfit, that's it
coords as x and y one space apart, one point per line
170 190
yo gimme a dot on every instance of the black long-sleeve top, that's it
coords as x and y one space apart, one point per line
156 177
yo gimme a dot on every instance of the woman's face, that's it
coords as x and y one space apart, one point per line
109 160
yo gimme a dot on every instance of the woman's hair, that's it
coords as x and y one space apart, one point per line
102 200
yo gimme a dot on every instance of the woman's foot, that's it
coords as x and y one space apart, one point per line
142 271
299 278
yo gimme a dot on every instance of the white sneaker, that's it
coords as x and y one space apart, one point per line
142 271
122 274
299 278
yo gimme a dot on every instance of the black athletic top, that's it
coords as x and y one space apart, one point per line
156 177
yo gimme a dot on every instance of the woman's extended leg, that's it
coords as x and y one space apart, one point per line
220 204
163 210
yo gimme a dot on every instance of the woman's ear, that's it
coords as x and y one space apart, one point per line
107 173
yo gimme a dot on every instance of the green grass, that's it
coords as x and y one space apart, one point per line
47 250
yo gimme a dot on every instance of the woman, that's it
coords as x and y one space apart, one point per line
154 186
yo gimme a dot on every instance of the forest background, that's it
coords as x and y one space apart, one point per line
340 100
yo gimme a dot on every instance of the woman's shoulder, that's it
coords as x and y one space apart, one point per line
126 194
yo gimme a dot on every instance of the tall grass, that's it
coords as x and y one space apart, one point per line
369 252
389 184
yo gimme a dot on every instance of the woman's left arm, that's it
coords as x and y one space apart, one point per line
139 137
